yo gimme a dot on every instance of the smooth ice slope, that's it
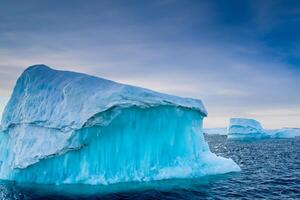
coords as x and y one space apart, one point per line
66 127
243 128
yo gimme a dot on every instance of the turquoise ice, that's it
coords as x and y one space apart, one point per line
66 127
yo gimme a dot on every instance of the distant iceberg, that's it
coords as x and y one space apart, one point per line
65 127
243 128
284 133
215 131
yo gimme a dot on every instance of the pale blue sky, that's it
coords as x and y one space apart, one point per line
242 58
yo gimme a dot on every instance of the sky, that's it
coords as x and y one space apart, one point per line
241 58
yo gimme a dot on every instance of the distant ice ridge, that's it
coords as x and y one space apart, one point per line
243 128
215 131
65 127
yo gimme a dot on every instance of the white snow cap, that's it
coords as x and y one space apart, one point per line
66 100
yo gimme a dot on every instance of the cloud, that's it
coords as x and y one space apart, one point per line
184 48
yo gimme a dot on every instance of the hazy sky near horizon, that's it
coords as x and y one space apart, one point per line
242 58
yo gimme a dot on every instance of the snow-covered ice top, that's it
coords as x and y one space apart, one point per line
66 100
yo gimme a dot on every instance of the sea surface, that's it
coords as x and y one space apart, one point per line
270 170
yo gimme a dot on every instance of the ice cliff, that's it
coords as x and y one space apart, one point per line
66 127
243 128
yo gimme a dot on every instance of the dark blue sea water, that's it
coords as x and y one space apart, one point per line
270 170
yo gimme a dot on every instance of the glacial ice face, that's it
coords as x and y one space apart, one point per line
135 146
65 127
243 128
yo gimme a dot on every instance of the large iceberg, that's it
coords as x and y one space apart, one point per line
243 128
66 127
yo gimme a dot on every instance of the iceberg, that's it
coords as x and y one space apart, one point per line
62 127
284 133
215 131
243 128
